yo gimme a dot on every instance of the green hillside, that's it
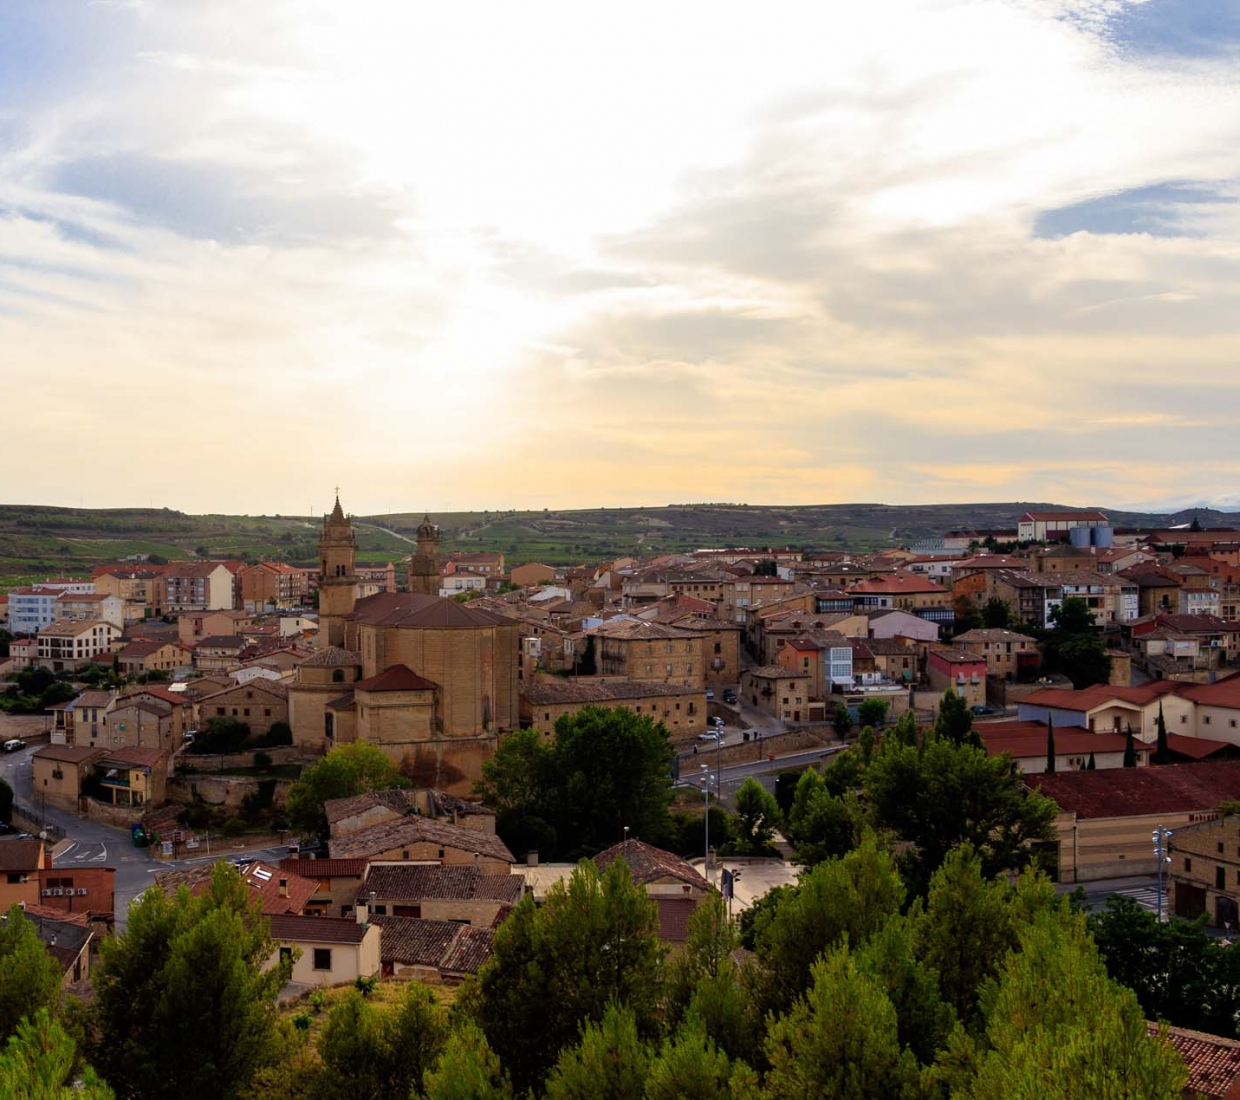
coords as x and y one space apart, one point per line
37 542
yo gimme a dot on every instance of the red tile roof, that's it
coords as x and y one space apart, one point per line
1213 1062
648 863
420 882
1026 739
1199 748
20 855
396 678
1136 792
294 929
325 868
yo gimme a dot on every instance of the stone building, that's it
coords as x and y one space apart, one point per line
337 579
649 651
1205 871
430 681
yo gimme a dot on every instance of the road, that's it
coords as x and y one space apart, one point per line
764 771
97 845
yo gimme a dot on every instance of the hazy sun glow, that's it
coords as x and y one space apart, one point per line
481 255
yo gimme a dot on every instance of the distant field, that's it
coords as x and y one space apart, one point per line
39 542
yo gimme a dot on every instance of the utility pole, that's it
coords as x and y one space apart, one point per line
719 760
706 817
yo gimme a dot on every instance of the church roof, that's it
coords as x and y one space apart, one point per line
332 657
396 678
413 609
337 512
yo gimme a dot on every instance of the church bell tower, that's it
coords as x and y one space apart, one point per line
337 580
424 564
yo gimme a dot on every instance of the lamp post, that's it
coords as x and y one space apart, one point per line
1162 852
706 816
719 759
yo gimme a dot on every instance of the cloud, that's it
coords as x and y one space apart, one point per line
966 249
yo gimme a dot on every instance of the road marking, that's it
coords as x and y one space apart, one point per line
67 850
102 857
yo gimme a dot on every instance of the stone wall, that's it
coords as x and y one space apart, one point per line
736 751
119 817
281 754
223 790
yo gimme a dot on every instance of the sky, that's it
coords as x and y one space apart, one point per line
466 256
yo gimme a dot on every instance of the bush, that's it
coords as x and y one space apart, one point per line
262 760
233 827
281 733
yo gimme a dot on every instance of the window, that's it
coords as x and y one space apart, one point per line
1220 878
1206 719
380 910
16 878
441 853
1188 864
266 712
219 711
322 958
1220 845
338 676
286 954
247 712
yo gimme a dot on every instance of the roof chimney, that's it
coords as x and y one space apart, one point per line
284 888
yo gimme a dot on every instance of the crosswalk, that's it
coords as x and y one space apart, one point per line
1144 896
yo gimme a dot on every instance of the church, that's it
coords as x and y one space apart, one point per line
431 682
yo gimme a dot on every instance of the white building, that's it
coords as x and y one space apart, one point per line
32 608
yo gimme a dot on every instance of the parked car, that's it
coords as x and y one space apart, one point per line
710 735
710 695
729 696
14 745
982 711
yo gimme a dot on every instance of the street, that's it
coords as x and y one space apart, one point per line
765 771
92 844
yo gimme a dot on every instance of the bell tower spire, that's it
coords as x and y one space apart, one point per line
337 578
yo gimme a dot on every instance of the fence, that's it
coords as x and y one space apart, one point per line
29 820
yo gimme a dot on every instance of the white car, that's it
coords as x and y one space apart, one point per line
14 745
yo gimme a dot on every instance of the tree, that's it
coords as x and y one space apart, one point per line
841 1040
594 941
185 997
1074 647
1042 1046
766 568
604 770
969 923
757 814
996 613
1050 745
1178 971
369 1054
221 735
822 825
610 1062
346 771
689 1067
1161 753
842 721
38 1064
29 977
946 794
1093 764
467 1070
847 898
873 712
954 721
1130 750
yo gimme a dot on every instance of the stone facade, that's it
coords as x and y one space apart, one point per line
337 578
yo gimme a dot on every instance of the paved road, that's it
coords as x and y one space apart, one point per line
765 771
96 845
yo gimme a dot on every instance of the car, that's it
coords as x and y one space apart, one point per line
15 745
729 696
710 735
710 695
982 711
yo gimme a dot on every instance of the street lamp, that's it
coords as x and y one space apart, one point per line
706 816
719 759
1162 852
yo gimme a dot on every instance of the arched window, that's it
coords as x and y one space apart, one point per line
338 676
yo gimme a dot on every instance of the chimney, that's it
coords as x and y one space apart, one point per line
360 911
531 858
477 860
284 888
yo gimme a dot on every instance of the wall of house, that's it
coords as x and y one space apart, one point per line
684 715
349 961
428 852
63 792
1091 849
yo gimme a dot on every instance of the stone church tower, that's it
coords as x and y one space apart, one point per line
337 580
424 565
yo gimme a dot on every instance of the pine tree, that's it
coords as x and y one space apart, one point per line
1130 751
1093 764
1050 744
1160 752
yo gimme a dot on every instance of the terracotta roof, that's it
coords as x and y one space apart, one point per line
550 692
294 929
221 641
1089 514
1222 693
396 678
20 855
411 609
409 830
992 634
674 914
774 672
1027 739
137 757
637 630
261 877
325 868
420 882
647 863
469 951
332 657
1134 792
1213 1062
399 801
68 754
411 941
1089 698
1199 624
897 583
257 683
1198 748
